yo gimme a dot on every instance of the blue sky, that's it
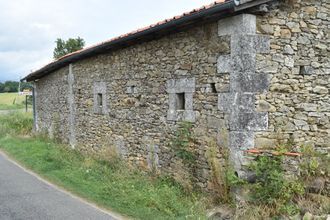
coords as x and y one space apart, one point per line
28 28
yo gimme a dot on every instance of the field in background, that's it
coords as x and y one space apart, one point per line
10 101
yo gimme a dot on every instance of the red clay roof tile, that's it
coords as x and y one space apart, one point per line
135 31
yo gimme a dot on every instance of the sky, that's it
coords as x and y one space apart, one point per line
29 28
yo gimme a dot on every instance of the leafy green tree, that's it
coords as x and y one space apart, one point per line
26 85
2 86
65 47
6 89
10 86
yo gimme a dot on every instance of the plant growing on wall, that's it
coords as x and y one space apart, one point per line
271 187
223 176
183 143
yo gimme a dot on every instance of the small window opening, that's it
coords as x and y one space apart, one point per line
306 70
180 101
99 100
302 70
131 89
213 89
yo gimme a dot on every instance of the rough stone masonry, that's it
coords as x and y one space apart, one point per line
249 80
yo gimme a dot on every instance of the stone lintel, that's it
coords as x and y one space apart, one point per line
181 85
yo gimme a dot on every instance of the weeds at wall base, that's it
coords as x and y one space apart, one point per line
104 179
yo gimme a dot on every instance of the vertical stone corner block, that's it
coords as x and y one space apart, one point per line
253 121
249 82
241 140
185 88
72 108
224 64
245 83
236 102
100 89
243 24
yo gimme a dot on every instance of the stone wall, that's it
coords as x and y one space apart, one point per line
298 100
139 87
246 81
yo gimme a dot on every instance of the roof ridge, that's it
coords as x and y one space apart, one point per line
57 63
146 27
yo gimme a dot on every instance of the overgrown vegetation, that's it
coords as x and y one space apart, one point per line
271 192
274 194
104 179
184 148
107 181
222 173
314 163
15 124
183 143
272 188
10 101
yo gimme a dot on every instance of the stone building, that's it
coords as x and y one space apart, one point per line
245 73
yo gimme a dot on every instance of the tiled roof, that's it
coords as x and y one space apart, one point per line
80 54
148 27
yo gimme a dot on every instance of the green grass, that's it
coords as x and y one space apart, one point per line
110 184
9 101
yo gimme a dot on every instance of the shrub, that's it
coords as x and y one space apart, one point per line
183 142
314 163
271 187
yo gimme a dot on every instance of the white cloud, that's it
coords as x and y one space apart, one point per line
28 28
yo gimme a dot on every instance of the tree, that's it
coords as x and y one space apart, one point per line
2 86
26 85
65 47
12 86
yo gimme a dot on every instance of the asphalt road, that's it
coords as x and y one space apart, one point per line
23 196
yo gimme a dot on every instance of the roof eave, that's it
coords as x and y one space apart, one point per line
225 9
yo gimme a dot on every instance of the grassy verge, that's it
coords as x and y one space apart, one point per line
110 184
11 101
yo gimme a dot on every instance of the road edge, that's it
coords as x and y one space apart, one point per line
61 189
